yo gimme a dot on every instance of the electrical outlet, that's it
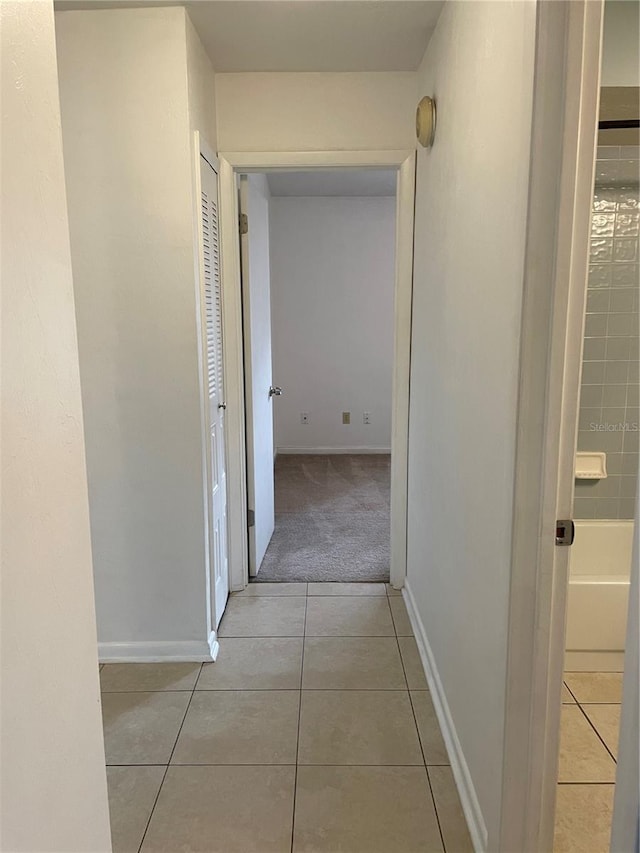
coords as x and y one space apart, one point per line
366 417
346 417
304 417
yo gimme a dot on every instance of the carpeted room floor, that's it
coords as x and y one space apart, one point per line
332 519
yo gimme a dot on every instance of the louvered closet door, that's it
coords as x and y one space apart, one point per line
214 382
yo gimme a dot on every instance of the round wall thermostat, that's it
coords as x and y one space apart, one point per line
426 121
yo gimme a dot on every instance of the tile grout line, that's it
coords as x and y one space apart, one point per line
288 764
426 770
340 595
166 769
161 690
300 691
393 622
295 772
279 689
600 738
297 636
313 689
570 691
415 722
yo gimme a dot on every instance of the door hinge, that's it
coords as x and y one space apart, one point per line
251 518
565 531
244 223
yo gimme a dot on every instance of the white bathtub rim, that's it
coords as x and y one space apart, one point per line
602 548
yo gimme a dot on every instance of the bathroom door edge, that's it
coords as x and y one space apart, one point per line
563 141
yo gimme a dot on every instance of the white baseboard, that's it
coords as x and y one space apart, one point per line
464 783
326 451
214 645
159 652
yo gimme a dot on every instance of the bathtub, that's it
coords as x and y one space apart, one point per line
599 568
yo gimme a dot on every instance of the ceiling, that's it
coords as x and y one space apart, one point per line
304 35
345 182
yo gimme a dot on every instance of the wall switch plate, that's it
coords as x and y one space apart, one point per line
304 417
346 417
366 417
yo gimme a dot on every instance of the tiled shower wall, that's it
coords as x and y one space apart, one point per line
609 419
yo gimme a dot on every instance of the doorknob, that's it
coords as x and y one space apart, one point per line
275 391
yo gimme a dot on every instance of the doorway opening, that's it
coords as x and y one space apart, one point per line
317 295
318 273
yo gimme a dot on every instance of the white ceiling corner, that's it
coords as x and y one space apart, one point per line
315 35
302 35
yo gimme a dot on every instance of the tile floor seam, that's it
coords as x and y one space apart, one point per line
270 764
153 807
211 764
263 637
295 773
360 690
591 672
600 738
297 637
157 690
166 770
395 630
315 690
160 801
426 769
415 722
362 636
577 795
570 691
307 689
404 671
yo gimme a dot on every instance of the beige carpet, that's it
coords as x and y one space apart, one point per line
332 519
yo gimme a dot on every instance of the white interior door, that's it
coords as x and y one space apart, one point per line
214 387
256 296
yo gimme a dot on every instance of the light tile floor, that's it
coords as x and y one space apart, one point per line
588 749
313 732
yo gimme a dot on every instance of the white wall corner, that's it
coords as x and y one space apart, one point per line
462 776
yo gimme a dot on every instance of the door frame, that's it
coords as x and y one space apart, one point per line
563 148
231 164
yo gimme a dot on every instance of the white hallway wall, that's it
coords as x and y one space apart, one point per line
472 191
332 286
133 83
53 780
200 86
123 75
476 166
315 112
620 51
